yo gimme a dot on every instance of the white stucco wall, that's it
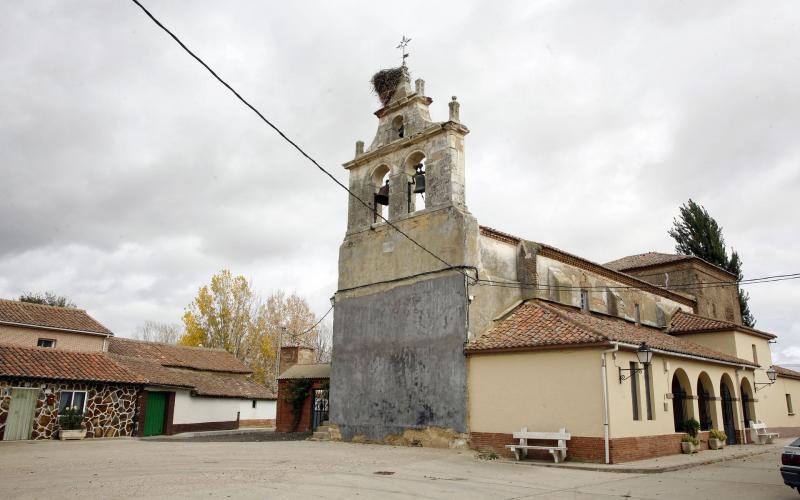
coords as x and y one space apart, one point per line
264 410
192 409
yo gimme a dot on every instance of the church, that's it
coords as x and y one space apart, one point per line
449 333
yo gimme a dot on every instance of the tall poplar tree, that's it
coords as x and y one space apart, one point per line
697 233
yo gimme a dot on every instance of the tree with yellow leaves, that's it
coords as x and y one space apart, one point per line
228 314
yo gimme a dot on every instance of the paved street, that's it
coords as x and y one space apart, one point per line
302 469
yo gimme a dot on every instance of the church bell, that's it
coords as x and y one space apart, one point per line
382 196
419 180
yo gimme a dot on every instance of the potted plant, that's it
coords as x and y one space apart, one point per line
70 424
689 442
716 439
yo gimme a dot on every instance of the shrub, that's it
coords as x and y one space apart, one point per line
717 434
691 427
70 419
690 439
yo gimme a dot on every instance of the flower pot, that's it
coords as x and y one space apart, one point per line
65 434
688 448
716 444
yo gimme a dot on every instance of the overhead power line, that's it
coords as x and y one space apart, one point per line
287 139
475 280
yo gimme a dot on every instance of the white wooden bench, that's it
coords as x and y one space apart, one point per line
559 451
759 433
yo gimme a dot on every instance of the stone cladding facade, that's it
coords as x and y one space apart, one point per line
110 409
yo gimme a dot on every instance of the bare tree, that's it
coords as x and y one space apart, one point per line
323 342
153 331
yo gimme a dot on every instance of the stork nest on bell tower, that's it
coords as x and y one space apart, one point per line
385 82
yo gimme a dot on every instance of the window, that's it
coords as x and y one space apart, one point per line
254 403
635 391
72 398
648 396
584 300
45 343
637 313
755 354
789 404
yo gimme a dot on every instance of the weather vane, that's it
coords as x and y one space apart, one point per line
403 45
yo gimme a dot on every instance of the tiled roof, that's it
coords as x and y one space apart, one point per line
201 383
785 372
555 253
197 358
683 322
532 325
652 259
539 323
316 370
38 315
53 364
644 260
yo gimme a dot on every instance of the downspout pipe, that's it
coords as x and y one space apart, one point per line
604 381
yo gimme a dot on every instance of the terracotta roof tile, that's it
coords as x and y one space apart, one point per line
785 372
197 358
207 372
539 323
652 259
683 322
53 364
201 383
64 318
531 325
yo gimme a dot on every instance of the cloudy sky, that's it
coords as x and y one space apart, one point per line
129 176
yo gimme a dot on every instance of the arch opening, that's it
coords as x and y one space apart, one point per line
727 394
681 397
398 127
379 183
415 171
748 403
705 398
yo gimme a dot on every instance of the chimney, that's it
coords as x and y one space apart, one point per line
295 355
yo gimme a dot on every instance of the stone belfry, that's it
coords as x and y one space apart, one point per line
401 314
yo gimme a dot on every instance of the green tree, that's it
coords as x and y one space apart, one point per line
47 298
697 233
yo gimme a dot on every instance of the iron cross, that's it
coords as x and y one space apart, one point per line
403 45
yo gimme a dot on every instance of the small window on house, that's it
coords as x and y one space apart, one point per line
254 403
789 407
635 391
585 300
637 313
755 354
46 343
72 398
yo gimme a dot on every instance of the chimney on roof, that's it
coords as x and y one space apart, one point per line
295 355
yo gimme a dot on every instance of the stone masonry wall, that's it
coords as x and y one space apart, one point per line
109 411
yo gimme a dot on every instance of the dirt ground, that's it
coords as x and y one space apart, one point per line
131 468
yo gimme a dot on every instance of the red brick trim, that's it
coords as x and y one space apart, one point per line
142 405
168 416
591 449
257 422
205 426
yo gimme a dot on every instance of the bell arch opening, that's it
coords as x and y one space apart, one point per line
398 127
414 169
379 183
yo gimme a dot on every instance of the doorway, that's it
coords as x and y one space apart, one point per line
727 414
155 411
319 409
19 422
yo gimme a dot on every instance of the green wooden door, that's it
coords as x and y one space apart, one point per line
154 413
19 421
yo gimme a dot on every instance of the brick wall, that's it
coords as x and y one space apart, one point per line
284 414
257 422
591 449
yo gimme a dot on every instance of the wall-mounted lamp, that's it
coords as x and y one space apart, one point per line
771 375
645 356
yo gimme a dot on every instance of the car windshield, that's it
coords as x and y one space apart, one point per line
796 443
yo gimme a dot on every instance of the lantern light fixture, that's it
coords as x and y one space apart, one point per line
645 356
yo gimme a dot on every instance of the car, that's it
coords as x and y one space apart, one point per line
790 464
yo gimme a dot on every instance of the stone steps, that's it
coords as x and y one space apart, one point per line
323 432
